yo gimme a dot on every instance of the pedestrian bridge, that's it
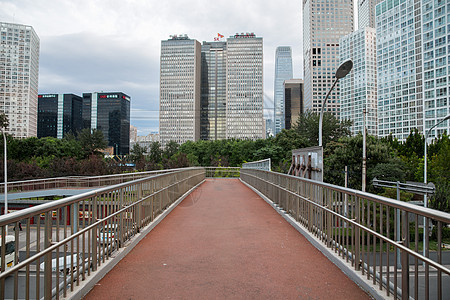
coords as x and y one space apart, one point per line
188 234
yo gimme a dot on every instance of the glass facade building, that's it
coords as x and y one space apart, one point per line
436 64
180 81
19 74
110 114
283 71
358 90
293 99
213 106
324 23
400 67
59 114
245 87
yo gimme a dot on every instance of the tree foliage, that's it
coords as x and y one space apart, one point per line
332 128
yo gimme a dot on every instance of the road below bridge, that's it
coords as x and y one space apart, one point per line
224 241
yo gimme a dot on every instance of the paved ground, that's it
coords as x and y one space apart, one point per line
225 242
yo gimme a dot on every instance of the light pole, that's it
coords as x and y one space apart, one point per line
364 159
341 72
6 175
425 200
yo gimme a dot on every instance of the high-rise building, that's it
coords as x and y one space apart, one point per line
59 114
324 23
245 87
358 90
400 67
366 13
180 76
213 105
436 65
283 71
110 114
293 96
19 74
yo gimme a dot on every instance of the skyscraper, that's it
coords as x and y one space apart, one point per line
283 71
109 113
366 13
358 90
293 96
400 63
214 91
245 87
19 74
324 22
59 114
180 76
436 65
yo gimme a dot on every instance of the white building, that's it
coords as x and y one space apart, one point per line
324 23
19 74
400 68
436 64
245 87
179 116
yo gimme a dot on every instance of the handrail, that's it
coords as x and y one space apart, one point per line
364 229
90 226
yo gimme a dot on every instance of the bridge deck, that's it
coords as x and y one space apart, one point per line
224 241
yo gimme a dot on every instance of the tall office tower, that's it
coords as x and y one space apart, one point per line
283 71
213 91
399 71
59 114
245 87
293 98
324 22
358 90
366 13
436 65
180 75
19 74
109 113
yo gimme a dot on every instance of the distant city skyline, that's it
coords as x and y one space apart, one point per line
104 47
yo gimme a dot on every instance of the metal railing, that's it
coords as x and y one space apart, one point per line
222 172
65 241
362 229
77 181
264 164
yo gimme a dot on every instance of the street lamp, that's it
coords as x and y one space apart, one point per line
6 175
341 72
425 200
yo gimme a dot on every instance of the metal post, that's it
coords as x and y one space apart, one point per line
405 257
397 231
6 176
324 103
364 152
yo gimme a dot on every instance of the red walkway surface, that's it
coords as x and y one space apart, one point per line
225 242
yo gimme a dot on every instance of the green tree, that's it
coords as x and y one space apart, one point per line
348 152
332 130
155 153
137 153
4 122
91 141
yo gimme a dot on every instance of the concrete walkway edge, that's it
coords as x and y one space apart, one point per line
345 267
86 285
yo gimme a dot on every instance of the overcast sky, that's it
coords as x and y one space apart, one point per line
114 45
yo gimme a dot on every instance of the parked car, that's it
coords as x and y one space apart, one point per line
108 234
65 267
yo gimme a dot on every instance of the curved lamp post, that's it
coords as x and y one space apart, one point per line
341 72
425 200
